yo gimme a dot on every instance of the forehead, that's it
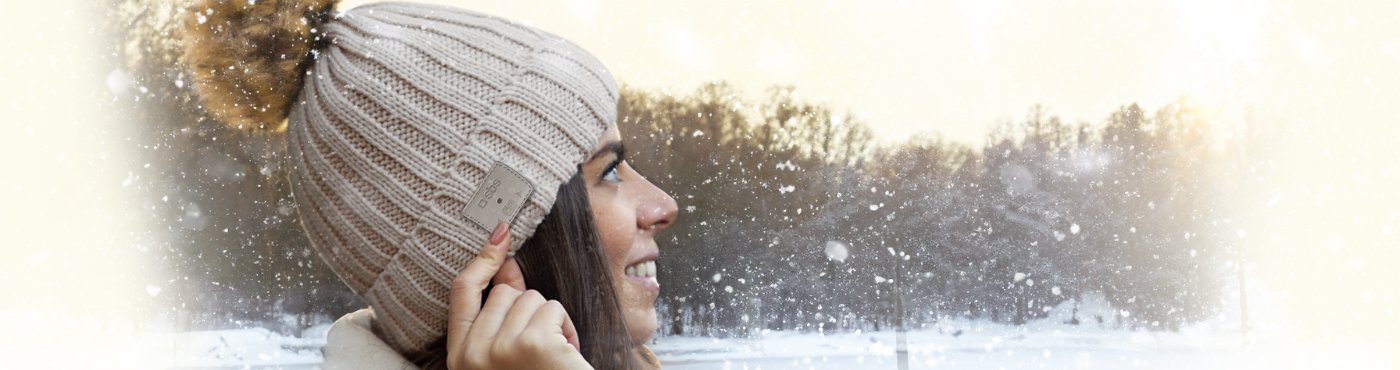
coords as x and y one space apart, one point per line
612 134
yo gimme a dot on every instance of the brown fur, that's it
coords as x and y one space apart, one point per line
248 60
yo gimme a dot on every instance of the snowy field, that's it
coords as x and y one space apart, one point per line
1001 347
1046 343
975 346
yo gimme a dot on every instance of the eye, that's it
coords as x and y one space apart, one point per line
610 174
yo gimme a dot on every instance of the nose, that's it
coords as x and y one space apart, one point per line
657 210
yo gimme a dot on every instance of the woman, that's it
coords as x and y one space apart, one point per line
425 142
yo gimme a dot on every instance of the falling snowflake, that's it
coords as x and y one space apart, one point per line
836 251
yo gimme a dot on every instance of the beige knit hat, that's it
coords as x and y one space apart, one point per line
416 130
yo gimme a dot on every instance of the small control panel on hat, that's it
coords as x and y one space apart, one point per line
499 198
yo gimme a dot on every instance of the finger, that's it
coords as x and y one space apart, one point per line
520 315
510 275
464 297
552 319
570 334
488 323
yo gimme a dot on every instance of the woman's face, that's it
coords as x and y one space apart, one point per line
629 211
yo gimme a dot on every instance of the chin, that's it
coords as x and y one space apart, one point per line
642 325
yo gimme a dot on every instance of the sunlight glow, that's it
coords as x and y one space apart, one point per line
687 47
73 275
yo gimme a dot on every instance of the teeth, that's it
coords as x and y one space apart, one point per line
643 269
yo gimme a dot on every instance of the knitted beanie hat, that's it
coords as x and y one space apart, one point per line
412 130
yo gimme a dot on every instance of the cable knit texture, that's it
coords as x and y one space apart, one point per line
399 119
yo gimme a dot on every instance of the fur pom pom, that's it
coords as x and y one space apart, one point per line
248 57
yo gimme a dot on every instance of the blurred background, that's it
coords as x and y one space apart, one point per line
1153 184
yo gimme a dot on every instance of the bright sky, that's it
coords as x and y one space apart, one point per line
959 67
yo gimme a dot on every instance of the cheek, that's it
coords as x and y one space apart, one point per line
615 226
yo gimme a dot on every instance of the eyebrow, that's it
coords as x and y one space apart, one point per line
614 147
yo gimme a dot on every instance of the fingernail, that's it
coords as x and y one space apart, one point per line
499 235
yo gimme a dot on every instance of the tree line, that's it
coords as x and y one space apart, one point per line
793 218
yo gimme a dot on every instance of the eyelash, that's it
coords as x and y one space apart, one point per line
610 173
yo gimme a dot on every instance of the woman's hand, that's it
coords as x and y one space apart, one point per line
516 328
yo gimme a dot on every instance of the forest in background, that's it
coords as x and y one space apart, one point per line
792 218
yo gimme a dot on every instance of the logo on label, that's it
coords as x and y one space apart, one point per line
490 192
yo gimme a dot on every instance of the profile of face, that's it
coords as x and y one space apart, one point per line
629 211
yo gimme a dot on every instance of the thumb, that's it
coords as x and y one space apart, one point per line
464 298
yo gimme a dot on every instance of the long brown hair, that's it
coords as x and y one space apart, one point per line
564 261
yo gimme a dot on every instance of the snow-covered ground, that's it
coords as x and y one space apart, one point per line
956 344
254 348
1004 347
1048 343
977 347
